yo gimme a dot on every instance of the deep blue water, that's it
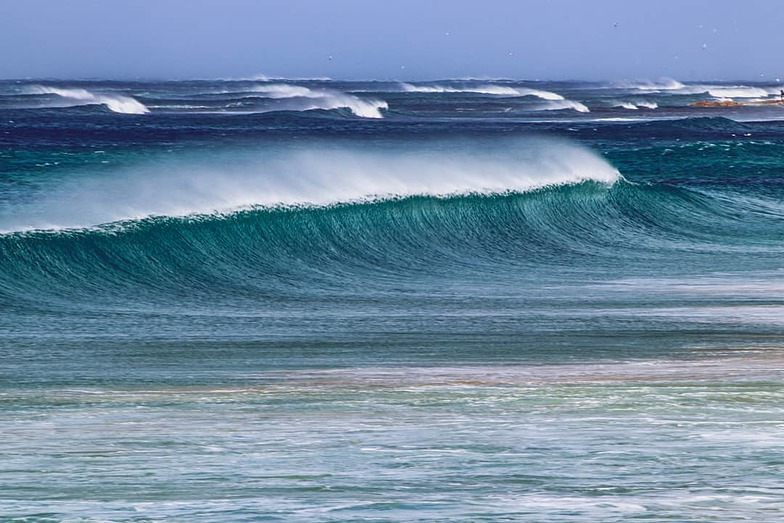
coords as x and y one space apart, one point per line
460 300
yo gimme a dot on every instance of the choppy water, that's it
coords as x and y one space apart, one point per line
345 301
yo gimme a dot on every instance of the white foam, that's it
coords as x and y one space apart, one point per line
114 102
222 182
320 99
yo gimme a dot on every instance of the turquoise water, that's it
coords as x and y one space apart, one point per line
370 301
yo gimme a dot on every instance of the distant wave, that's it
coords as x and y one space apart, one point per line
564 104
76 97
315 176
266 78
714 90
635 105
663 84
738 91
325 99
491 89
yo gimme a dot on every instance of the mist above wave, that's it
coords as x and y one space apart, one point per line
314 175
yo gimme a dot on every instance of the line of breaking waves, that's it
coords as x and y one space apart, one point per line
261 98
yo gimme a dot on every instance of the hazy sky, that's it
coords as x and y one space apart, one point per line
393 39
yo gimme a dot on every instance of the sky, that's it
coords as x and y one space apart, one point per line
393 39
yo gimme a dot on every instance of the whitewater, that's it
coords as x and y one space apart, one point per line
448 300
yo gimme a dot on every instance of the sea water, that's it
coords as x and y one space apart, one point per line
312 300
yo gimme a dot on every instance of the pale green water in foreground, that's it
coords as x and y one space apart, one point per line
649 441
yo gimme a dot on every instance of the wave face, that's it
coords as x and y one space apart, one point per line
481 240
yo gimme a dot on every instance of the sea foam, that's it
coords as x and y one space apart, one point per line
75 97
310 176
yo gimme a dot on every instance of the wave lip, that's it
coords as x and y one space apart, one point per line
315 176
114 102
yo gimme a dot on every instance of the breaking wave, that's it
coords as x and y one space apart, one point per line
736 92
314 176
326 99
715 90
75 97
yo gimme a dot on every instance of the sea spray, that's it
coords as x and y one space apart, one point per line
309 175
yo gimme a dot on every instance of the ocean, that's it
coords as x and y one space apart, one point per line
460 300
